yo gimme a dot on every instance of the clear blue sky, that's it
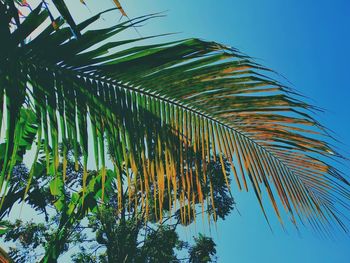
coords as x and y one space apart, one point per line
308 42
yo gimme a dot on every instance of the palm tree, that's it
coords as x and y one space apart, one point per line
161 109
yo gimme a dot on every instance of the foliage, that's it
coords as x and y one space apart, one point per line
29 235
203 250
109 236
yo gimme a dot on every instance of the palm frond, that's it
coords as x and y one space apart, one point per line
165 108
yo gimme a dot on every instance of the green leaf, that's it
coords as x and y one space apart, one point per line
56 186
3 229
62 8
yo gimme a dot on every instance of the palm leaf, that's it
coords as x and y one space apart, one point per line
166 108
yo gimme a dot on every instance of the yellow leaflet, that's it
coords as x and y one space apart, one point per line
228 153
194 137
64 167
169 176
212 199
221 159
84 184
211 132
188 185
200 194
129 185
191 178
117 3
145 174
174 181
154 189
207 142
76 165
181 206
142 196
135 172
194 208
189 208
250 166
231 151
204 161
120 190
238 157
160 179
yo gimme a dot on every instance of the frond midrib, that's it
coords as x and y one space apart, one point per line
175 102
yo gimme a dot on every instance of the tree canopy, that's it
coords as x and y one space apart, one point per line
102 234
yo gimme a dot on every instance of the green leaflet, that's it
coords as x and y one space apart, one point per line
57 190
3 229
62 8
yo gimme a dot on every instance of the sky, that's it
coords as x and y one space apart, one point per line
307 42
